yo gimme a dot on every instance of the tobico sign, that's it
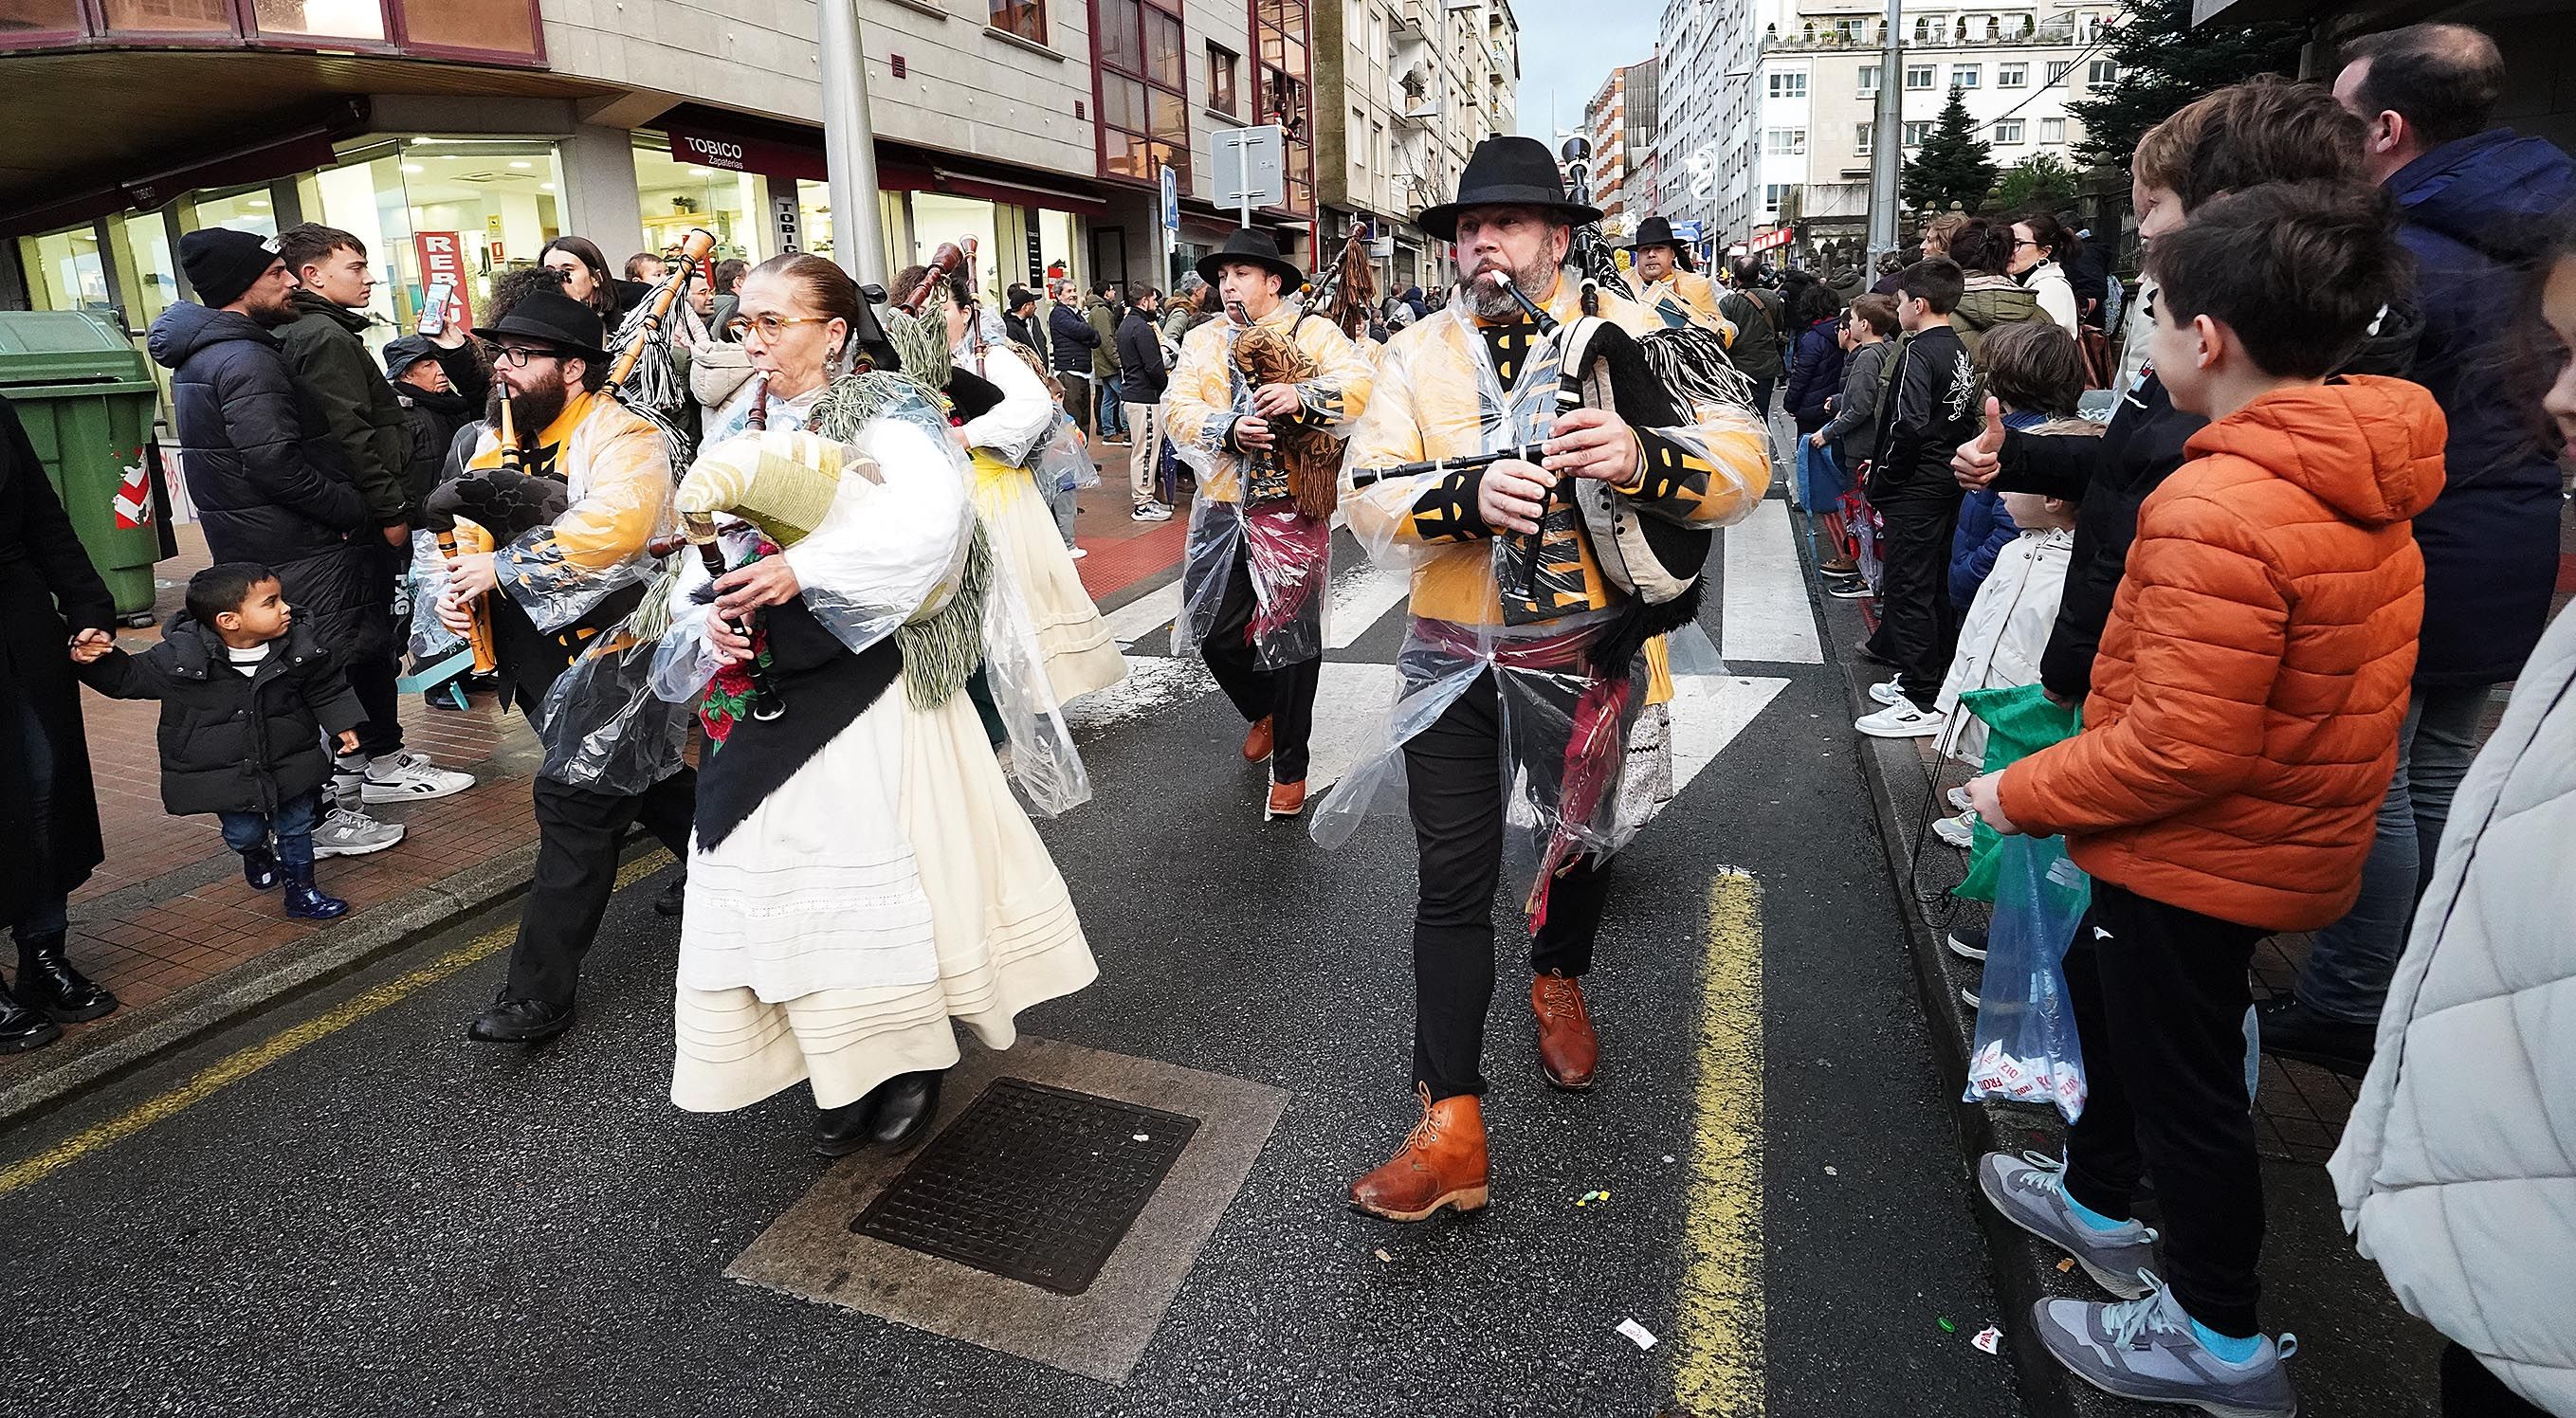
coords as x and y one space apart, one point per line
737 152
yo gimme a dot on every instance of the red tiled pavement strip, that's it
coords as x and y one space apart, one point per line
1122 551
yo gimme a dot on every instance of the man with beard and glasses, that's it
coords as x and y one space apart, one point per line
559 595
1525 658
270 482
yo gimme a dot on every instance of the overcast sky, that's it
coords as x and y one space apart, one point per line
1573 45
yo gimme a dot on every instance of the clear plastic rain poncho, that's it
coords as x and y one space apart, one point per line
897 543
1565 726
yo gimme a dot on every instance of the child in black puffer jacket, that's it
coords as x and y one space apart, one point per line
246 694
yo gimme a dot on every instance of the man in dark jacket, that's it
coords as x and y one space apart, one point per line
2475 207
263 469
330 362
1755 314
1018 318
1107 308
1927 416
435 404
1140 357
1075 343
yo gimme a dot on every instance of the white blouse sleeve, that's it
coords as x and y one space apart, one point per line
888 550
1011 428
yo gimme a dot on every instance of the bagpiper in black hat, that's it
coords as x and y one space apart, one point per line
1507 172
1655 231
1249 246
552 318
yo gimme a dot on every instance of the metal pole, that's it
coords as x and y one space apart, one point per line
1887 148
849 144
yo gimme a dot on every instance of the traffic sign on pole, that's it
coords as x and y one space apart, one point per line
1251 168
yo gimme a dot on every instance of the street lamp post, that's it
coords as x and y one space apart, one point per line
1887 148
849 144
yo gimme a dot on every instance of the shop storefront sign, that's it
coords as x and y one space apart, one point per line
442 259
1776 236
786 221
743 152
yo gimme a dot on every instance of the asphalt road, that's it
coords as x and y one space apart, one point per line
388 1220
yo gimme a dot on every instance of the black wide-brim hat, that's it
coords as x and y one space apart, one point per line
1656 231
554 318
1507 172
1249 244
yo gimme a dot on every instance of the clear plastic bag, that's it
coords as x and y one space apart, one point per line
2026 1050
1063 461
605 729
1291 556
1207 559
430 638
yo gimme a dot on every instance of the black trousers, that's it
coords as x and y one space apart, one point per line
1454 785
1285 696
2159 995
1917 627
577 837
372 677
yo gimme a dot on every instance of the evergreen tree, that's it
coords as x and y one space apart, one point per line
2042 182
1952 165
2165 62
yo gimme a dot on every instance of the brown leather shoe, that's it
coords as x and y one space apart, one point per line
1567 1049
1286 800
1256 741
1442 1163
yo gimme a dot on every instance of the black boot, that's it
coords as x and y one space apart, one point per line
673 896
840 1131
307 902
48 983
259 868
22 1028
905 1105
519 1021
2286 1027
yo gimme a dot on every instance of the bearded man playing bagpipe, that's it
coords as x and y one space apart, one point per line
1553 528
1254 408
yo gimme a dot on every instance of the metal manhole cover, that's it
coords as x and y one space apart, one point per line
1034 1183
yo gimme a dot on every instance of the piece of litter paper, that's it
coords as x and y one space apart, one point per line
1645 1337
1668 1157
2066 1265
1946 1326
1382 1255
1144 1137
1830 1172
1989 1339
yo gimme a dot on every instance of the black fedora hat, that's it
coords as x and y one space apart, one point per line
554 318
1506 172
1655 231
1258 248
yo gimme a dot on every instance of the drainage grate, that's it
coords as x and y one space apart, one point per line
1034 1183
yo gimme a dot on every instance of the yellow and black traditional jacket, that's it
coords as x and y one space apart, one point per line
1452 386
1686 298
1199 409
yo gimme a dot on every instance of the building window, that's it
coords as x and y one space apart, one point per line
1789 85
1221 67
2012 76
1916 131
1025 18
1869 81
1144 96
1775 193
1863 134
1281 74
1788 142
2052 130
2103 74
1918 76
2057 71
1965 76
2008 132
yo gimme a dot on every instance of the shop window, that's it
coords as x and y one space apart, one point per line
327 19
1144 96
496 26
1221 69
170 16
1025 18
65 270
674 196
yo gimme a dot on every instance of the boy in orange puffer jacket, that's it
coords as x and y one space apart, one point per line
2240 734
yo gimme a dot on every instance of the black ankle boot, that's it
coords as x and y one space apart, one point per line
840 1131
48 983
259 868
22 1028
905 1105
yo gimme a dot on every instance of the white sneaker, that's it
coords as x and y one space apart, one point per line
1959 832
1887 692
410 778
1151 512
1959 798
346 832
1903 721
1077 553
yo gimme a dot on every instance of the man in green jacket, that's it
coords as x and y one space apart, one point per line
1105 309
333 367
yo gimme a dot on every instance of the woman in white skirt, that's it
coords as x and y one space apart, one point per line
861 875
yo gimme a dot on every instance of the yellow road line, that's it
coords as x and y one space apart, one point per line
234 1068
1718 1355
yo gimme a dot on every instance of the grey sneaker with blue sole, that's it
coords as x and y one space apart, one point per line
2145 1349
2029 1190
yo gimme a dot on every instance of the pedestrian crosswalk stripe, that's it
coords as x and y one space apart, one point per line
1718 1351
1763 609
1145 615
1359 599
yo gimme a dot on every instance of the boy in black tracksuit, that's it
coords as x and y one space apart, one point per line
1931 409
246 694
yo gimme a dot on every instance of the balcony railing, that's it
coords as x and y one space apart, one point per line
2050 36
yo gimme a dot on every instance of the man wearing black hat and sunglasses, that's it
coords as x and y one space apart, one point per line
558 593
1666 282
1526 657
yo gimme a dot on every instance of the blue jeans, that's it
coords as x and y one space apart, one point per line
292 829
2347 973
1113 415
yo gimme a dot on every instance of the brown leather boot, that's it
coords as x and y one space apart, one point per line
1567 1049
1286 800
1256 741
1442 1163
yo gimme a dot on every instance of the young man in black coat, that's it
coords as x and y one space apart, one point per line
1140 356
1929 412
50 595
263 469
1075 341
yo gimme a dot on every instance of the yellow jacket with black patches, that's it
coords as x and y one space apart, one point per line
1686 298
1436 398
1199 409
617 474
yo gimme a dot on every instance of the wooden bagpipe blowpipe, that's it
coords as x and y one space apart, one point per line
693 248
951 257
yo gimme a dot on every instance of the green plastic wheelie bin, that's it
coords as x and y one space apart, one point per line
86 397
